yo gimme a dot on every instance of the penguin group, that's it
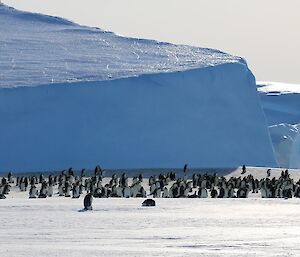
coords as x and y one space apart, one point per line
200 185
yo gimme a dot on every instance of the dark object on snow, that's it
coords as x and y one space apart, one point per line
244 169
268 172
148 202
87 202
185 168
2 196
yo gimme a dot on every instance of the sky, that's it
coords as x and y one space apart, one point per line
264 32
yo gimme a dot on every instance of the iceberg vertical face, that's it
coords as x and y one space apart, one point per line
167 106
281 103
283 137
295 153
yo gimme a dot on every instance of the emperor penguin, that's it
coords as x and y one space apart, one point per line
127 192
68 190
143 192
214 193
60 189
202 193
165 193
75 191
87 202
148 202
50 190
33 191
119 191
43 191
6 189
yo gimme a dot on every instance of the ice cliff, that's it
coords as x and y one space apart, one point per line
74 96
281 103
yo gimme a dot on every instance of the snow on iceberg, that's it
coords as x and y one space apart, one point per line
38 49
78 96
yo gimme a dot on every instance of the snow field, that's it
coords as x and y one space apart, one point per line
175 227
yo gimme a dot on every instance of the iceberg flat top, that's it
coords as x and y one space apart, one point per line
38 49
277 88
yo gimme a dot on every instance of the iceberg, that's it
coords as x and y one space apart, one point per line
74 96
281 104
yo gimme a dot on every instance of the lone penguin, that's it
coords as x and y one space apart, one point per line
148 202
243 169
87 202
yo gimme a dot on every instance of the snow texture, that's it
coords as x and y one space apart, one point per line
175 227
281 103
37 49
154 105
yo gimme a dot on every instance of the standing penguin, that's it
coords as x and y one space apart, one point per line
243 169
87 202
33 191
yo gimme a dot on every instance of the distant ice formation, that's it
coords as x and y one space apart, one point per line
281 103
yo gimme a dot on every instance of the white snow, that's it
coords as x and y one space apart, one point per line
277 88
38 49
175 227
281 104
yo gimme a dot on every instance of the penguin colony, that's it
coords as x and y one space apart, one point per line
66 184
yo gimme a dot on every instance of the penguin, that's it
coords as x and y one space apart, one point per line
222 193
203 193
43 191
50 191
214 193
243 169
143 192
165 193
2 196
119 191
148 202
157 193
87 202
127 192
82 173
268 172
193 195
97 193
60 189
75 191
33 192
6 189
68 190
10 177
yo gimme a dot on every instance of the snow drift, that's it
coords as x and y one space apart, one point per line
281 103
78 96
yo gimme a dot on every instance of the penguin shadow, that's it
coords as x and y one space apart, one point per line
82 210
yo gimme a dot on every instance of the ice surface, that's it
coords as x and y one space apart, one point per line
37 49
205 117
283 138
175 227
151 104
281 103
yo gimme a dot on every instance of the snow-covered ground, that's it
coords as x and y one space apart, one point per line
175 227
